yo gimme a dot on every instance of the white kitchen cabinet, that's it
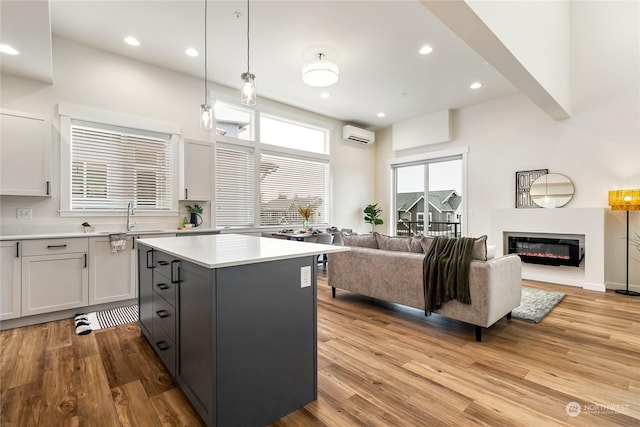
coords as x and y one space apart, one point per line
55 275
10 276
111 275
25 154
197 171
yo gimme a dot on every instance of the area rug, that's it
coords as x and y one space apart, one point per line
85 323
536 304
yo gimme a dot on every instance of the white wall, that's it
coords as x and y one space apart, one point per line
97 79
598 148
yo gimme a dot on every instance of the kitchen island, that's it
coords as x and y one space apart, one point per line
234 320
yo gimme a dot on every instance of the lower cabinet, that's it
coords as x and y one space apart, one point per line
55 275
10 279
112 275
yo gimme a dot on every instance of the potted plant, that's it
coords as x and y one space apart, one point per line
371 215
87 227
195 211
306 213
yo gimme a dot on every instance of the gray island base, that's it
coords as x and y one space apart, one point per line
237 332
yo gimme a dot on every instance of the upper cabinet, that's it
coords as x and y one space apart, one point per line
197 171
25 154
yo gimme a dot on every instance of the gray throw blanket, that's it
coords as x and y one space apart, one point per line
446 272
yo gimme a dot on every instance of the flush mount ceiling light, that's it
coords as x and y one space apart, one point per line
320 72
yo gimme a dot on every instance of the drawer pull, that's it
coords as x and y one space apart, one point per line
162 314
175 278
162 286
162 346
56 246
163 263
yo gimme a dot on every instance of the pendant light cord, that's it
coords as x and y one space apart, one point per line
206 77
248 36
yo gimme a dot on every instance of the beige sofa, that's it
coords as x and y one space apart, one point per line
394 273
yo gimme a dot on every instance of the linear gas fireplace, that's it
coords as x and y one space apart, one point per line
548 249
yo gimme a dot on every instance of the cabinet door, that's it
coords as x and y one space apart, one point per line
10 280
111 275
145 289
25 154
54 282
197 169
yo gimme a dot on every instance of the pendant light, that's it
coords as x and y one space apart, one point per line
206 112
248 80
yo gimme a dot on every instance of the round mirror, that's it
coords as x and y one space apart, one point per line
552 190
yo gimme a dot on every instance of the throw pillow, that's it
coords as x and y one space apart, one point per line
426 242
480 248
397 243
361 240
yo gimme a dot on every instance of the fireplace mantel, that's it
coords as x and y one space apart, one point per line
589 222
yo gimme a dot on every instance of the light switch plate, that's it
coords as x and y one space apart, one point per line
23 213
305 276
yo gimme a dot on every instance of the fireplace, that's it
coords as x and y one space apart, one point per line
547 249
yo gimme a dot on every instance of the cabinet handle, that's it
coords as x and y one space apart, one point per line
173 263
163 263
162 346
48 188
162 286
85 260
162 314
56 246
17 249
186 193
150 264
133 243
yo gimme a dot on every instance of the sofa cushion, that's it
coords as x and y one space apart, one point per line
398 243
426 242
360 240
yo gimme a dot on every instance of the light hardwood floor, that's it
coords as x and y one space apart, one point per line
378 364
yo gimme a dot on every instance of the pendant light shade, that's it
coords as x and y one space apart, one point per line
320 72
248 80
206 112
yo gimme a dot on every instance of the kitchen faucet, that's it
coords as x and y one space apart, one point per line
129 215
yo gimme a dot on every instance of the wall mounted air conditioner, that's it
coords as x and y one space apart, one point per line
355 134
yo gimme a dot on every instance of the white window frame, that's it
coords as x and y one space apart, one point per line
262 148
69 112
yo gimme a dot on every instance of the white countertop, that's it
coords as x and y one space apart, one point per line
70 234
226 250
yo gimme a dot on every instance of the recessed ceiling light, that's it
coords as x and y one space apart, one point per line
425 50
131 41
324 95
191 52
381 114
5 48
475 85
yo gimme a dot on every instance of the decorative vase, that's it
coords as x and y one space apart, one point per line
195 219
305 225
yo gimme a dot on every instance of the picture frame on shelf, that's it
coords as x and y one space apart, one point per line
524 179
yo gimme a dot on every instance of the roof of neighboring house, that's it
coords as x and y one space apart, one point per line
442 200
282 203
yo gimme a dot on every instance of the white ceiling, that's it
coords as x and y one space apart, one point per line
375 44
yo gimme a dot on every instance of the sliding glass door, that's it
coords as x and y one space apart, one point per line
428 197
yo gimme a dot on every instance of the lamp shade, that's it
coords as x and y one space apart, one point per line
320 72
624 200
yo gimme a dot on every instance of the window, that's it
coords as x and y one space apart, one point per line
288 134
286 183
234 186
111 167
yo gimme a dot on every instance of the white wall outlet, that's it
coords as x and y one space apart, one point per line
23 213
305 276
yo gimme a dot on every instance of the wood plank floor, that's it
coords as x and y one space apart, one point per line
379 364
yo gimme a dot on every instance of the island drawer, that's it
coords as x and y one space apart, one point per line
164 315
54 246
163 287
165 348
166 266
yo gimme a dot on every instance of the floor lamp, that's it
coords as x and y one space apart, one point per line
625 200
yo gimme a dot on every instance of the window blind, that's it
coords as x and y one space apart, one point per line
111 168
234 187
288 182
